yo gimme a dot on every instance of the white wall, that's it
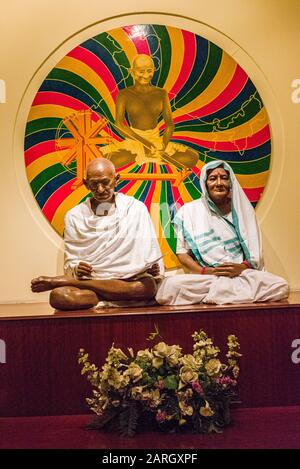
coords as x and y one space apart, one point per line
262 35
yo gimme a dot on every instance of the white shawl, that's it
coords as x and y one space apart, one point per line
213 238
117 246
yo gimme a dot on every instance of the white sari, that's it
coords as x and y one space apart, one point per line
214 239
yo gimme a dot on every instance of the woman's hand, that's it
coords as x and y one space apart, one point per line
227 270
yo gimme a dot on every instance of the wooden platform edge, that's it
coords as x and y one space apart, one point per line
24 311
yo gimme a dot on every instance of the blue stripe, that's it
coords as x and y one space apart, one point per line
51 186
105 56
199 65
39 137
67 89
234 106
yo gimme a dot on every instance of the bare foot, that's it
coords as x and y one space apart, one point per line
41 284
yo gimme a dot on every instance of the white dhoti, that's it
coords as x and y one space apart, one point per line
138 149
249 287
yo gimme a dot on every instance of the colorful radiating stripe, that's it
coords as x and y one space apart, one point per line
216 109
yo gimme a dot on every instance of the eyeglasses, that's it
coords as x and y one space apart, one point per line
93 185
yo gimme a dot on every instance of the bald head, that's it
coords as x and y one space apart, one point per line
142 61
100 167
101 180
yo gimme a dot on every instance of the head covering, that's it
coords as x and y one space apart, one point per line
212 225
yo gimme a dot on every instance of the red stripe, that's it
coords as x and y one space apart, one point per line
242 144
188 62
196 171
126 166
60 99
148 199
56 199
139 39
253 193
176 194
41 149
90 59
128 186
232 90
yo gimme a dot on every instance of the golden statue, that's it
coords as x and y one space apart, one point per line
143 103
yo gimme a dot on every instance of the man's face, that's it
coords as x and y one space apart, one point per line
102 185
218 185
143 71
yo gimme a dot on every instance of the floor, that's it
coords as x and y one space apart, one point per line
257 428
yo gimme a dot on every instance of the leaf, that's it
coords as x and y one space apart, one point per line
171 382
128 419
154 334
100 421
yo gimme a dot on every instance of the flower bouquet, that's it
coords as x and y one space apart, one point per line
162 388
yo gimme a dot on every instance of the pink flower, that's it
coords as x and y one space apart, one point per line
226 381
197 388
161 416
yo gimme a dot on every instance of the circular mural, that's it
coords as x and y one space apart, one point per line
216 113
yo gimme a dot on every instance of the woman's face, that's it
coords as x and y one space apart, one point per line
218 185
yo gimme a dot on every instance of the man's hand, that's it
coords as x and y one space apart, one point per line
83 269
226 270
153 270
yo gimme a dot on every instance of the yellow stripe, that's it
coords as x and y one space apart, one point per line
84 71
39 165
177 50
253 180
217 85
125 43
243 131
48 110
134 188
247 180
70 202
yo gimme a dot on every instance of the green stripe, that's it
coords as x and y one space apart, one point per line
248 110
140 190
117 55
164 39
42 178
192 190
165 219
44 123
192 244
74 79
236 249
204 243
211 67
249 167
213 246
204 235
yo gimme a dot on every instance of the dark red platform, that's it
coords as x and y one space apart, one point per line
252 428
41 375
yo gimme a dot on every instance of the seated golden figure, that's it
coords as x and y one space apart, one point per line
143 103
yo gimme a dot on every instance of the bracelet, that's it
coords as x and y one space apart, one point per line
202 270
247 264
